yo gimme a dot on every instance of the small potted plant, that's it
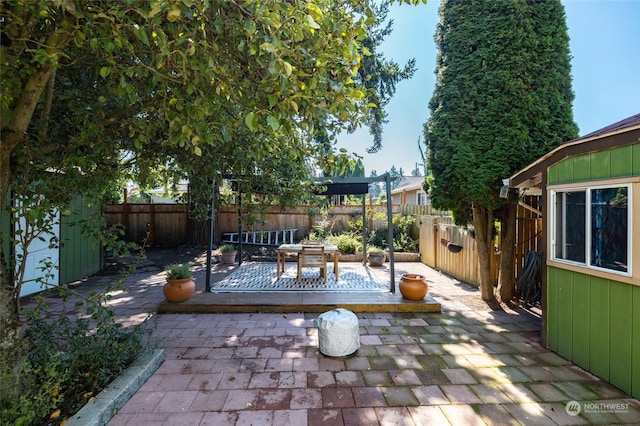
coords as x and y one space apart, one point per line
179 286
229 253
375 256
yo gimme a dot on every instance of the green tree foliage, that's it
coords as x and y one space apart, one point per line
502 99
193 87
236 85
196 88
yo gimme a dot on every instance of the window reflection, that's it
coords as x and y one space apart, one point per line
591 227
609 226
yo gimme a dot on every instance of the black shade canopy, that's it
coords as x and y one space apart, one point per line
345 189
346 185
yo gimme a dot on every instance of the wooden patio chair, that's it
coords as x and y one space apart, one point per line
312 256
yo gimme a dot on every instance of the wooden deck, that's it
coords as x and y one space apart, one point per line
288 302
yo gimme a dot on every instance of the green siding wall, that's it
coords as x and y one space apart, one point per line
595 322
599 307
635 159
609 163
80 256
635 345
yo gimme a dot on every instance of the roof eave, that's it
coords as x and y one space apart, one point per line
531 176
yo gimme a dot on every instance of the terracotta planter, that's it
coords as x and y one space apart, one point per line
177 291
229 257
413 286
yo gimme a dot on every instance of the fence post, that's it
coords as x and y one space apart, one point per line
436 238
125 217
392 270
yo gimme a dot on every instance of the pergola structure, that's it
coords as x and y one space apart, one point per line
335 185
360 186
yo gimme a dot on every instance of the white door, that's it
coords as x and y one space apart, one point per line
38 254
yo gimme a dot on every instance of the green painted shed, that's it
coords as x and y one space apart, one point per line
80 255
77 256
590 190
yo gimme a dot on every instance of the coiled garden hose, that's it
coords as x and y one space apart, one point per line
529 285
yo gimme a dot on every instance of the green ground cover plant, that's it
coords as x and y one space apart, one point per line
71 358
402 234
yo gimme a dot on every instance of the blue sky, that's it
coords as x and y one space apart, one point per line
605 67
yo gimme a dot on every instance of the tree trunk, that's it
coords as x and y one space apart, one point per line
506 277
483 224
46 107
13 343
11 339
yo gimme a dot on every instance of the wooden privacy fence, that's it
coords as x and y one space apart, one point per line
421 210
169 225
305 219
528 231
464 264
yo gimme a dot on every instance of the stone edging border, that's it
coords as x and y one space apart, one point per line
102 408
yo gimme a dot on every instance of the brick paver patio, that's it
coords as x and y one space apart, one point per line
458 367
412 369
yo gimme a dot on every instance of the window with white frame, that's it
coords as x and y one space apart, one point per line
591 226
422 198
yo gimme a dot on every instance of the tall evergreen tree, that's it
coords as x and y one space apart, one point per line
502 99
396 175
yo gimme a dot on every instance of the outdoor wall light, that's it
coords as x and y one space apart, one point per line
504 190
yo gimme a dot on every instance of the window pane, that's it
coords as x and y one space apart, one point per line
609 228
570 226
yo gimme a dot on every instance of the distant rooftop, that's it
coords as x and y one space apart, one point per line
410 181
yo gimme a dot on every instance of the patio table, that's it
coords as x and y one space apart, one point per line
283 249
